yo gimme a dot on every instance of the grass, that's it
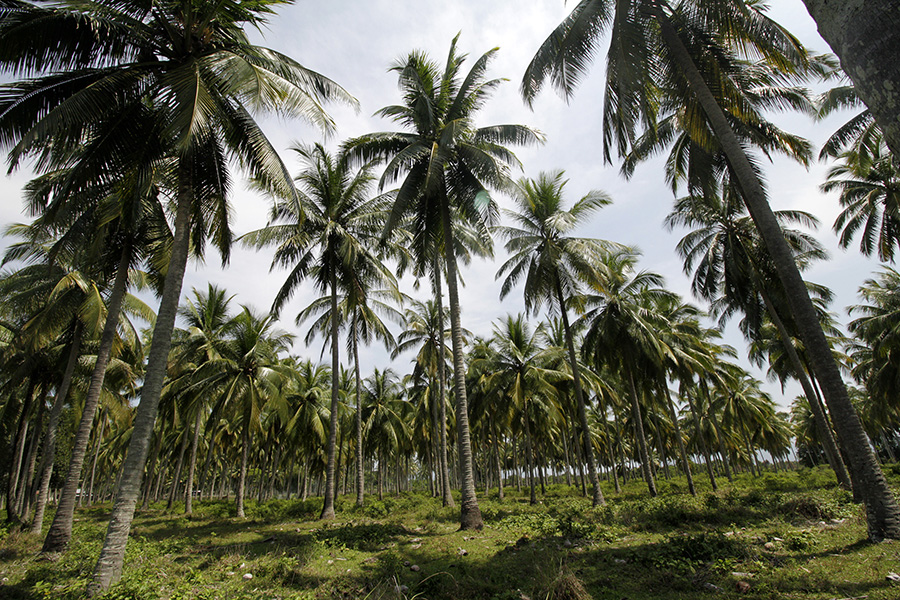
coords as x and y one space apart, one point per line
779 536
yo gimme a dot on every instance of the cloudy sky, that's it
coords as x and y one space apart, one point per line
355 44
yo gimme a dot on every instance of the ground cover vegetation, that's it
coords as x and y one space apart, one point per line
605 443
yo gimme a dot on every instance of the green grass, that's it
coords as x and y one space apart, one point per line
785 535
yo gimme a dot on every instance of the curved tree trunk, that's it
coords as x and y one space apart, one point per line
882 510
641 437
328 504
470 514
446 495
865 34
60 531
597 494
109 565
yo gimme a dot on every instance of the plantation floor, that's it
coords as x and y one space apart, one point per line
779 536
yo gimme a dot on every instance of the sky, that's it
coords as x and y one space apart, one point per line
356 43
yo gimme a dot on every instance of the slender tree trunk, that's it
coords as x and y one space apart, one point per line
470 514
18 453
825 433
446 495
60 531
176 477
26 485
682 451
49 450
96 457
500 495
596 493
109 565
641 438
529 457
882 510
328 504
703 447
720 437
360 454
192 465
242 476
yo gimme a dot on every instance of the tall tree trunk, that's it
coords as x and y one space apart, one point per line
328 504
446 495
60 531
176 477
23 502
242 477
865 35
824 429
96 454
192 465
720 437
882 510
360 454
682 451
109 565
641 437
18 452
500 494
596 493
703 447
470 514
49 450
529 457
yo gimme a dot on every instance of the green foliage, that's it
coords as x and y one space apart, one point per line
358 537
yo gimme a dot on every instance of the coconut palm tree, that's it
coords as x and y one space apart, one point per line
553 266
446 164
330 235
193 70
732 269
868 179
244 377
518 372
426 330
660 46
622 330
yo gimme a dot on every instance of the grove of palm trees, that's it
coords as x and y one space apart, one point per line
487 342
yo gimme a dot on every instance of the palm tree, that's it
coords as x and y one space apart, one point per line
209 328
330 235
516 372
445 162
654 43
868 180
386 424
426 329
245 376
553 266
193 69
622 330
732 269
